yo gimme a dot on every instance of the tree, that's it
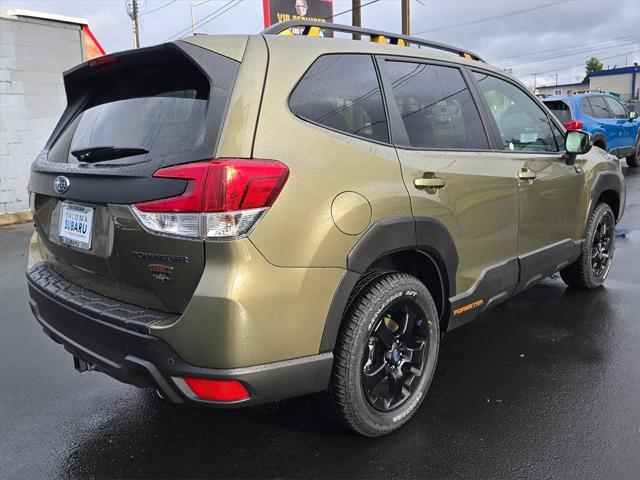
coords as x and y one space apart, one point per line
593 65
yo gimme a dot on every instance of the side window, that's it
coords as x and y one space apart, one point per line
523 125
342 92
585 107
599 108
436 106
559 136
616 108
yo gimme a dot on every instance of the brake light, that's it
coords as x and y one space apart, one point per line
224 198
104 60
217 390
573 125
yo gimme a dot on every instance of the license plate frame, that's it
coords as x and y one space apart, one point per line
76 225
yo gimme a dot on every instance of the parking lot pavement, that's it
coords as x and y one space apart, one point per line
546 385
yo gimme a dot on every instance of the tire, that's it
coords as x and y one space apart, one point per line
372 347
589 271
633 160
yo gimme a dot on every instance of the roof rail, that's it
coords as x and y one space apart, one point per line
312 28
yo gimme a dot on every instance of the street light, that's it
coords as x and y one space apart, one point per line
193 17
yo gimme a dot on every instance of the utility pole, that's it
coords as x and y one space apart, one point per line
406 17
133 12
356 16
535 78
556 79
193 15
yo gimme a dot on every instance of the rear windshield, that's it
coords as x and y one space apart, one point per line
152 109
560 110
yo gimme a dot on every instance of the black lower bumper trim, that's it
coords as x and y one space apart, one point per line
146 361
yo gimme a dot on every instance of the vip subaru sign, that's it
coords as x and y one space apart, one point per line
282 10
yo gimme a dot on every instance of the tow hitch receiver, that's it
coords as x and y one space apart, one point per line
82 366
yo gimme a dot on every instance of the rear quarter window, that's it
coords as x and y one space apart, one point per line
342 92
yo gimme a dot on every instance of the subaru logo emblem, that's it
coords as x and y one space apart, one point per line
61 184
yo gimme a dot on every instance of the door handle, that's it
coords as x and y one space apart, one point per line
526 174
429 181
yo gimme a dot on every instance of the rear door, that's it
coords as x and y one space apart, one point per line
129 115
606 121
549 190
441 139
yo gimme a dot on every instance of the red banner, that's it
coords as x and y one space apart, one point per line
92 47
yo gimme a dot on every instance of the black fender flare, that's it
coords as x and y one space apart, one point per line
606 181
599 136
391 235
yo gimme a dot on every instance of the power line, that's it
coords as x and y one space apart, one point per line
506 59
588 50
496 17
199 22
352 9
561 68
159 8
208 18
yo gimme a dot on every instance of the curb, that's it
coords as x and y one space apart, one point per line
17 217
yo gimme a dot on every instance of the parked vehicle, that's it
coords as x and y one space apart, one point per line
239 219
611 125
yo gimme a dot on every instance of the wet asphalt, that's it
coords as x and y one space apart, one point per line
546 385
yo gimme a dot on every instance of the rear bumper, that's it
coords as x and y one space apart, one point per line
125 351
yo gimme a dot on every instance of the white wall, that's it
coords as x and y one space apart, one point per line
620 84
33 55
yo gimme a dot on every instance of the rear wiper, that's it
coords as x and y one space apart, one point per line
101 154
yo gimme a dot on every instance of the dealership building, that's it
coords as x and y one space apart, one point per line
623 82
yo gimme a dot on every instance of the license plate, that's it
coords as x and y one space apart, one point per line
76 223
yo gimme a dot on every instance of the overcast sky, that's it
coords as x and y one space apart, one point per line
559 35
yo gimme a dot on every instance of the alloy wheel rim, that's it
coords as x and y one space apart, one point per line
395 357
601 251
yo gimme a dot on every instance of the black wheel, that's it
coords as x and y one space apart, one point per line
633 160
385 355
592 267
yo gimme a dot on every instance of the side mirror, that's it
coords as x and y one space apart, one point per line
575 143
633 116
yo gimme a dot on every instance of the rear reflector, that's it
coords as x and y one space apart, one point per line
573 125
224 198
217 390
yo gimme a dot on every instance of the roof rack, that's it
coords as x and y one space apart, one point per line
312 29
580 92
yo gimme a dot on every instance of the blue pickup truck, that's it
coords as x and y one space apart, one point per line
611 126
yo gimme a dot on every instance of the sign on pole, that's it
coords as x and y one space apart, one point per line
282 10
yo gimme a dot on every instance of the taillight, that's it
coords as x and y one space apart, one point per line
224 198
217 390
573 125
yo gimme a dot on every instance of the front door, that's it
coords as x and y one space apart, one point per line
454 177
628 129
550 192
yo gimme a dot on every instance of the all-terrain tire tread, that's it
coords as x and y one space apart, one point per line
338 398
578 274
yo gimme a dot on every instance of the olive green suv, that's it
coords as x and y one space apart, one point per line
240 219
